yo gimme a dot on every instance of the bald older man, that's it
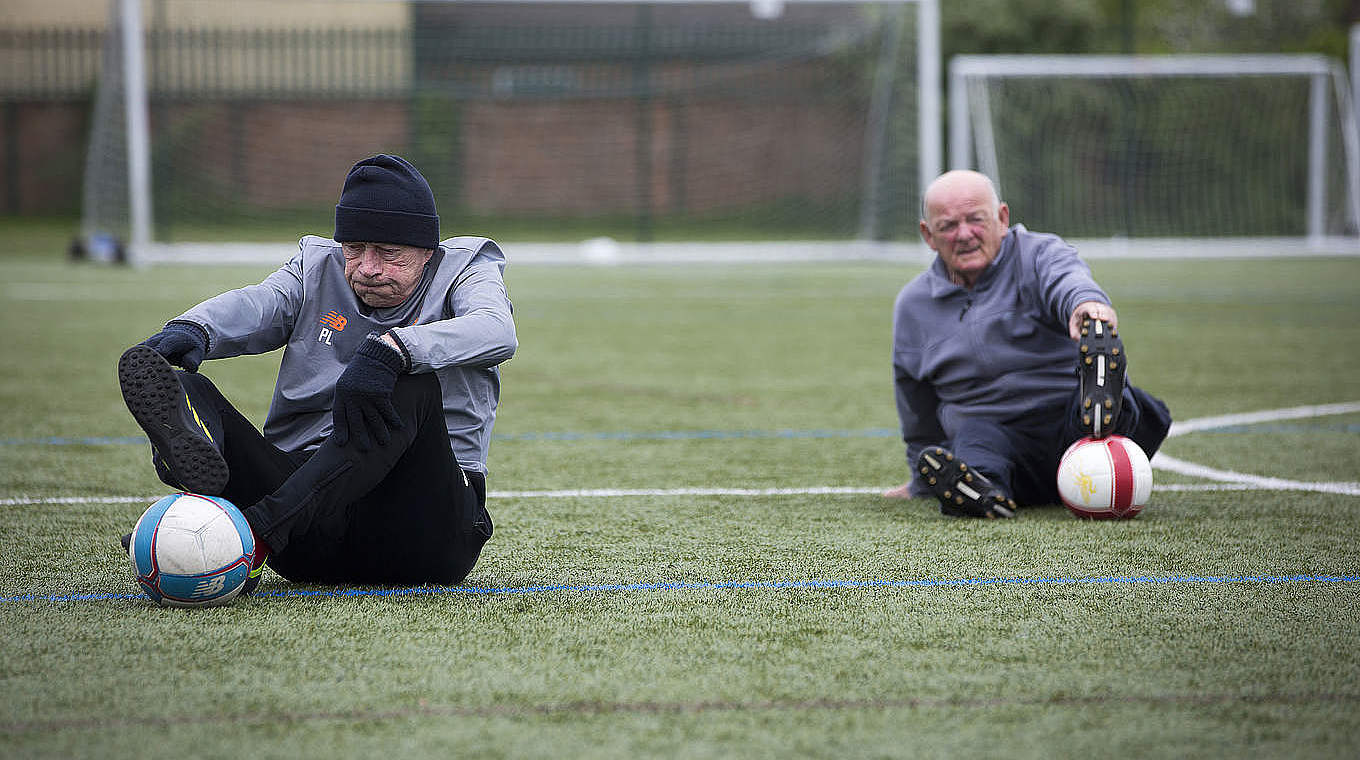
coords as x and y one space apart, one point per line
1005 352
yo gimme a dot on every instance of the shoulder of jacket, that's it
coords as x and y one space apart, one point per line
315 247
472 247
317 243
1028 240
316 252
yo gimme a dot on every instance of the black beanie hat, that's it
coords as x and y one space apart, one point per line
385 200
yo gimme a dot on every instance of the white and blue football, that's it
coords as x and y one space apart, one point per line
191 551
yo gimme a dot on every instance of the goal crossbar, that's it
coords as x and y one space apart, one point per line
1320 70
1090 66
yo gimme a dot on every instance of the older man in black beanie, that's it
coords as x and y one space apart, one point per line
371 467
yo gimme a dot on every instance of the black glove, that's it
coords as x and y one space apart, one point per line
363 395
182 343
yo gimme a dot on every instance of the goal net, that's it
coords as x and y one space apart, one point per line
1177 155
658 126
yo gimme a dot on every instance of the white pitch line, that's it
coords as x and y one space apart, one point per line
1239 482
1171 464
571 493
31 501
1269 415
1228 480
1163 461
607 492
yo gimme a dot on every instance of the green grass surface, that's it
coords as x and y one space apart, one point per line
909 657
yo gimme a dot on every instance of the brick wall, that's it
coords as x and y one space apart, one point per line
537 157
581 157
42 156
276 154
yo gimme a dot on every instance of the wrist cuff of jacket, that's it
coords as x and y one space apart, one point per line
375 348
405 352
192 327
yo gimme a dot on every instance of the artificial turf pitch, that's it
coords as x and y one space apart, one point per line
727 600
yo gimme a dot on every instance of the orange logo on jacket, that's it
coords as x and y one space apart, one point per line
334 320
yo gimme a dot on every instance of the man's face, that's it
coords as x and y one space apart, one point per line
383 274
964 227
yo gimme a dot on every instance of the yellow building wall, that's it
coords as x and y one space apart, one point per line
211 14
370 68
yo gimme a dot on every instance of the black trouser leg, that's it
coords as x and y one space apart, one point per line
1022 456
1154 422
1012 456
426 523
402 513
257 466
1143 418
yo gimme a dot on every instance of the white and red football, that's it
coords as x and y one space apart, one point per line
1106 478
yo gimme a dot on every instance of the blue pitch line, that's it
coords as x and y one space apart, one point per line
731 586
691 435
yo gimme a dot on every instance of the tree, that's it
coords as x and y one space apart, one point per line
1148 26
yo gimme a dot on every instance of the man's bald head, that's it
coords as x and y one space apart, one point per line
957 180
963 220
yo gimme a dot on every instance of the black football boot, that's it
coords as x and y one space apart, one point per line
962 491
1101 369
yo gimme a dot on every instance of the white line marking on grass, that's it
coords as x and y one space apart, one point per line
34 501
1229 480
1163 461
1212 487
608 492
1269 415
1237 482
1171 464
571 493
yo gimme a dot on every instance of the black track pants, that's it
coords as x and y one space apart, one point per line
1022 455
400 513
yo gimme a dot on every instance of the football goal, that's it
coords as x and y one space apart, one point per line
1166 155
665 128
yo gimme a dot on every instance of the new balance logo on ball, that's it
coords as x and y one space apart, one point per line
210 586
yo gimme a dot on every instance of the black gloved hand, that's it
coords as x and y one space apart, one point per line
181 343
363 395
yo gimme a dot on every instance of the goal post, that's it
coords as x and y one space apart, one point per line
644 124
1211 150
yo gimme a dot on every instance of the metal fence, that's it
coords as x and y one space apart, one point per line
64 64
762 126
49 64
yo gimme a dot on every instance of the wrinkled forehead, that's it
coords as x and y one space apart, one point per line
355 248
379 244
957 194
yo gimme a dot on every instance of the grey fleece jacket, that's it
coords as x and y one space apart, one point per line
999 351
458 324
